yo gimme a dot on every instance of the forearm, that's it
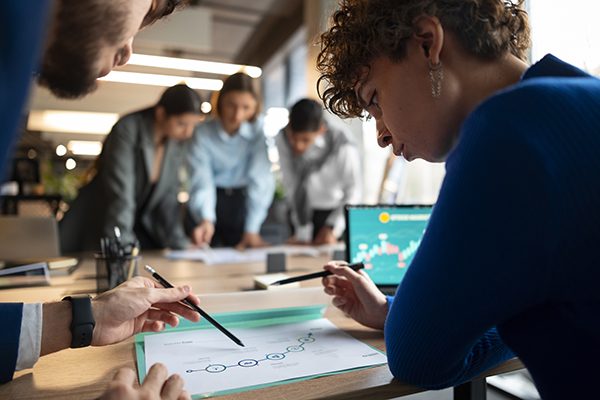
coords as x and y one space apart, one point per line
336 221
202 204
56 327
259 200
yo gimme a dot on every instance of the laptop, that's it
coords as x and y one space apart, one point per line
30 240
385 238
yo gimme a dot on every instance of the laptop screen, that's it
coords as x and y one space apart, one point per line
385 238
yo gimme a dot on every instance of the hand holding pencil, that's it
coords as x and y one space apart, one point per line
354 293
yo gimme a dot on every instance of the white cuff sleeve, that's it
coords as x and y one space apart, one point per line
30 340
304 233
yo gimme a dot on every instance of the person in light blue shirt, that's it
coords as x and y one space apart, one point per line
231 184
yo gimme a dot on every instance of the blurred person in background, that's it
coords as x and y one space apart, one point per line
137 179
232 185
321 172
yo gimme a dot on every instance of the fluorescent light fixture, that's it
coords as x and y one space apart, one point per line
71 121
162 80
84 147
184 64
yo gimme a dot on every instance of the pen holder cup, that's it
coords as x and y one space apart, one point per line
112 271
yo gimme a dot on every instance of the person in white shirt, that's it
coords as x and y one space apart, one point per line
320 167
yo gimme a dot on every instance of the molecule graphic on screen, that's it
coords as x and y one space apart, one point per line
249 362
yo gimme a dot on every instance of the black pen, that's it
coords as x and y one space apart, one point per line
355 267
210 319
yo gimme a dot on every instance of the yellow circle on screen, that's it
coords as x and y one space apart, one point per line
384 217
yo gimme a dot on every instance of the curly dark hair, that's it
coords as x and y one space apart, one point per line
362 30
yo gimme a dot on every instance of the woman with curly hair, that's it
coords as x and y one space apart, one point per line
508 264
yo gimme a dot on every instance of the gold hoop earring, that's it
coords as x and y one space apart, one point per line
436 75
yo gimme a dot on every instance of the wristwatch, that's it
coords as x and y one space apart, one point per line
82 323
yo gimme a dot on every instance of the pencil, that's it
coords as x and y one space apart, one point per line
210 319
134 252
355 267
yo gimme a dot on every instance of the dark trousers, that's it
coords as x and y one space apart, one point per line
231 217
319 219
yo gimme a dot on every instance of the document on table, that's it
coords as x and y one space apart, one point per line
210 363
228 255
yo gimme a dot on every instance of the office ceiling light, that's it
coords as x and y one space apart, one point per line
162 80
205 107
184 64
84 147
70 164
61 150
71 121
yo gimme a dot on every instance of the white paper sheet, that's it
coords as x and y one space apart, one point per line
229 255
209 362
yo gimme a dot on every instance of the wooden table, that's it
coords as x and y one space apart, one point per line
84 373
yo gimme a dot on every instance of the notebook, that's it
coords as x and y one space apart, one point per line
29 240
24 275
385 238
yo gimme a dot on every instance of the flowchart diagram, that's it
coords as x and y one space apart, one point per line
209 363
249 362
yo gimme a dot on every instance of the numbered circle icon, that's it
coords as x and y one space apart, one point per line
214 368
247 363
275 356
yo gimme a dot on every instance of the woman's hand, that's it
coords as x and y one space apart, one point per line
203 233
356 295
250 240
325 236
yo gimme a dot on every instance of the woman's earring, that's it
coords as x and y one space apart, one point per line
436 75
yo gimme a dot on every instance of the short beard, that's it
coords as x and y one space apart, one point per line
82 28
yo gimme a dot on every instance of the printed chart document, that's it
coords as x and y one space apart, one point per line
228 255
210 363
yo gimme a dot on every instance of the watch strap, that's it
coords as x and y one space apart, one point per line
82 322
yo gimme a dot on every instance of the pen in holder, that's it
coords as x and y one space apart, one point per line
116 262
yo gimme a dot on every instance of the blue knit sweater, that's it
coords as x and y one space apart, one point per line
508 264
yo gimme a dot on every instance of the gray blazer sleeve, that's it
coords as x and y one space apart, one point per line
117 179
